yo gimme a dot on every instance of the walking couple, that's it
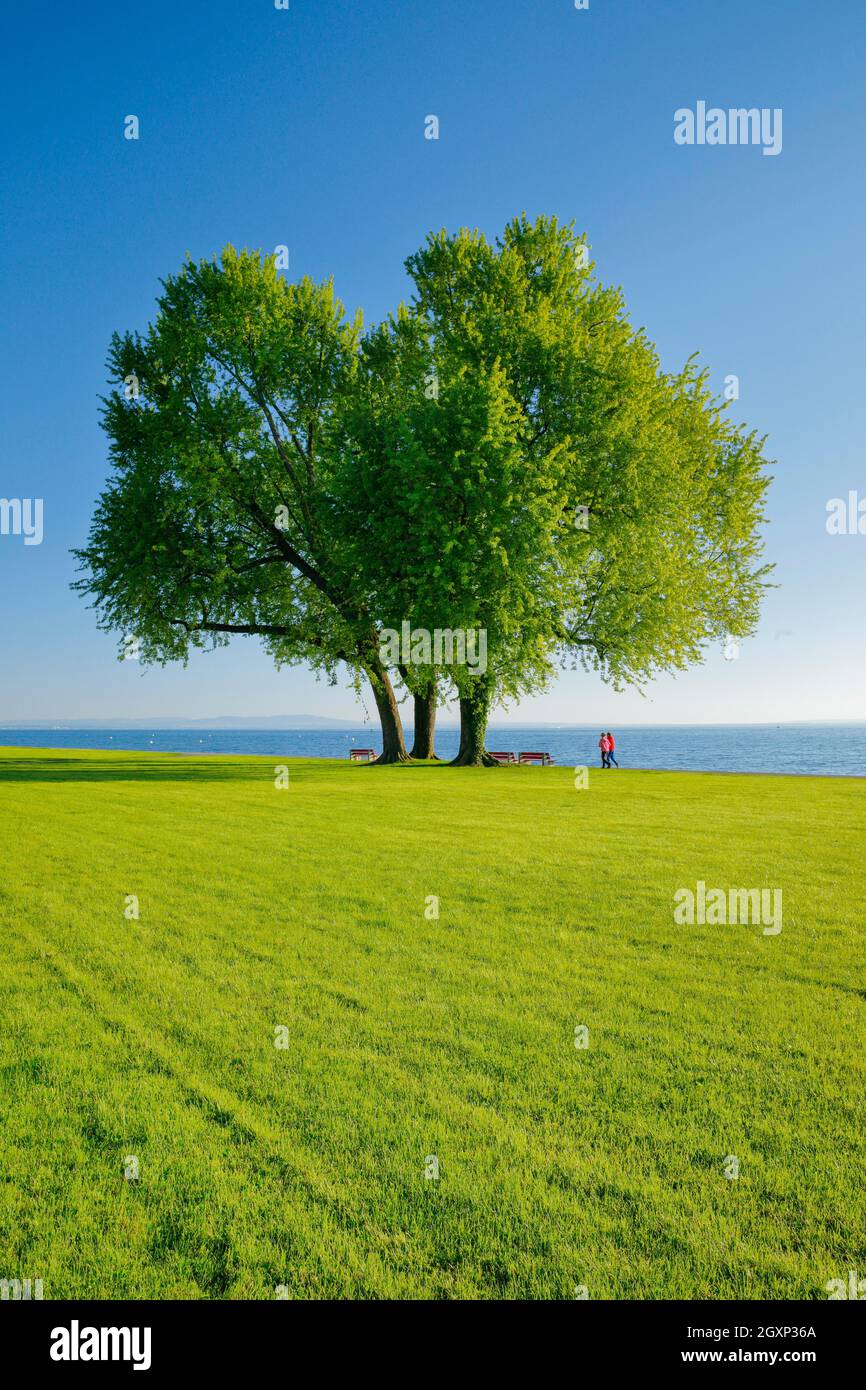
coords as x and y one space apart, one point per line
607 744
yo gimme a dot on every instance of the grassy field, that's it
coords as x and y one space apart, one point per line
412 1038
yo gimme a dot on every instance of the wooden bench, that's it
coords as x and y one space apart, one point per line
361 755
544 759
504 757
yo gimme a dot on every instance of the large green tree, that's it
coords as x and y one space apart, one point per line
625 506
504 455
217 520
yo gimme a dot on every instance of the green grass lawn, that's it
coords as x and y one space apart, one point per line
410 1037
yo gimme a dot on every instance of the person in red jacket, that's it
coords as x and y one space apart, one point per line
611 741
604 745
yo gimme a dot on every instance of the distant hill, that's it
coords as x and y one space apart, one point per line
228 721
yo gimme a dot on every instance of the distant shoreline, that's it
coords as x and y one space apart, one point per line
340 726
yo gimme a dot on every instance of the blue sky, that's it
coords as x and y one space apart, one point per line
305 127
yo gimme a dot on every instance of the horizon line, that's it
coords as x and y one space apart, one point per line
323 724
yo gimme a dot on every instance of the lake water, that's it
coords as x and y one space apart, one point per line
792 748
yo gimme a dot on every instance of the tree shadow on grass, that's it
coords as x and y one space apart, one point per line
177 767
161 768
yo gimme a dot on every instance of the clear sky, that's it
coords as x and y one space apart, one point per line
305 127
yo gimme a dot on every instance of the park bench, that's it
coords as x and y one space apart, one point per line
361 755
544 759
504 757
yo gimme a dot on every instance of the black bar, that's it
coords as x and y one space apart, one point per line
232 1337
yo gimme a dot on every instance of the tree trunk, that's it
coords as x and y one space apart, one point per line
474 709
393 747
425 725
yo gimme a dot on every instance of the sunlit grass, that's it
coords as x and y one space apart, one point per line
411 1036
